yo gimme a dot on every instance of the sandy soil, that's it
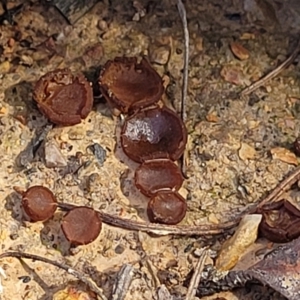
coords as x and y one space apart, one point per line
230 163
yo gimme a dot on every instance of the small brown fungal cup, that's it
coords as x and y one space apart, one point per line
81 225
153 133
65 99
128 84
39 203
166 207
156 175
280 222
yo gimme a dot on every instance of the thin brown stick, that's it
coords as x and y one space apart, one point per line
194 283
281 188
182 13
189 230
80 276
160 229
273 73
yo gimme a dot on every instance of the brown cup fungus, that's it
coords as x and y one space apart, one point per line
65 99
81 225
128 85
156 175
152 134
39 203
280 222
167 208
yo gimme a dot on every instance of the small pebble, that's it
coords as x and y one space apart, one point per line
102 25
99 152
4 66
53 156
25 279
160 55
119 249
76 134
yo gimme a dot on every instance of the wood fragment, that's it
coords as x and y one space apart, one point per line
122 283
163 293
2 274
195 281
72 10
80 276
273 73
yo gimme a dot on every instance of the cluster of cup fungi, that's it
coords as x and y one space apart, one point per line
81 225
152 135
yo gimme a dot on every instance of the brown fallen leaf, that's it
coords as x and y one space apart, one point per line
284 155
239 51
279 269
232 75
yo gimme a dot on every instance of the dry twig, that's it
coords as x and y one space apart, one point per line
282 187
182 13
160 229
80 276
189 230
194 283
272 74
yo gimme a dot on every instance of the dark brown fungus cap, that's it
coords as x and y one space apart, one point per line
166 208
39 203
158 174
128 85
280 222
81 225
63 98
153 133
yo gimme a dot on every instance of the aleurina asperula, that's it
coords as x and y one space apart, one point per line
156 175
128 85
38 203
153 133
166 207
64 98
